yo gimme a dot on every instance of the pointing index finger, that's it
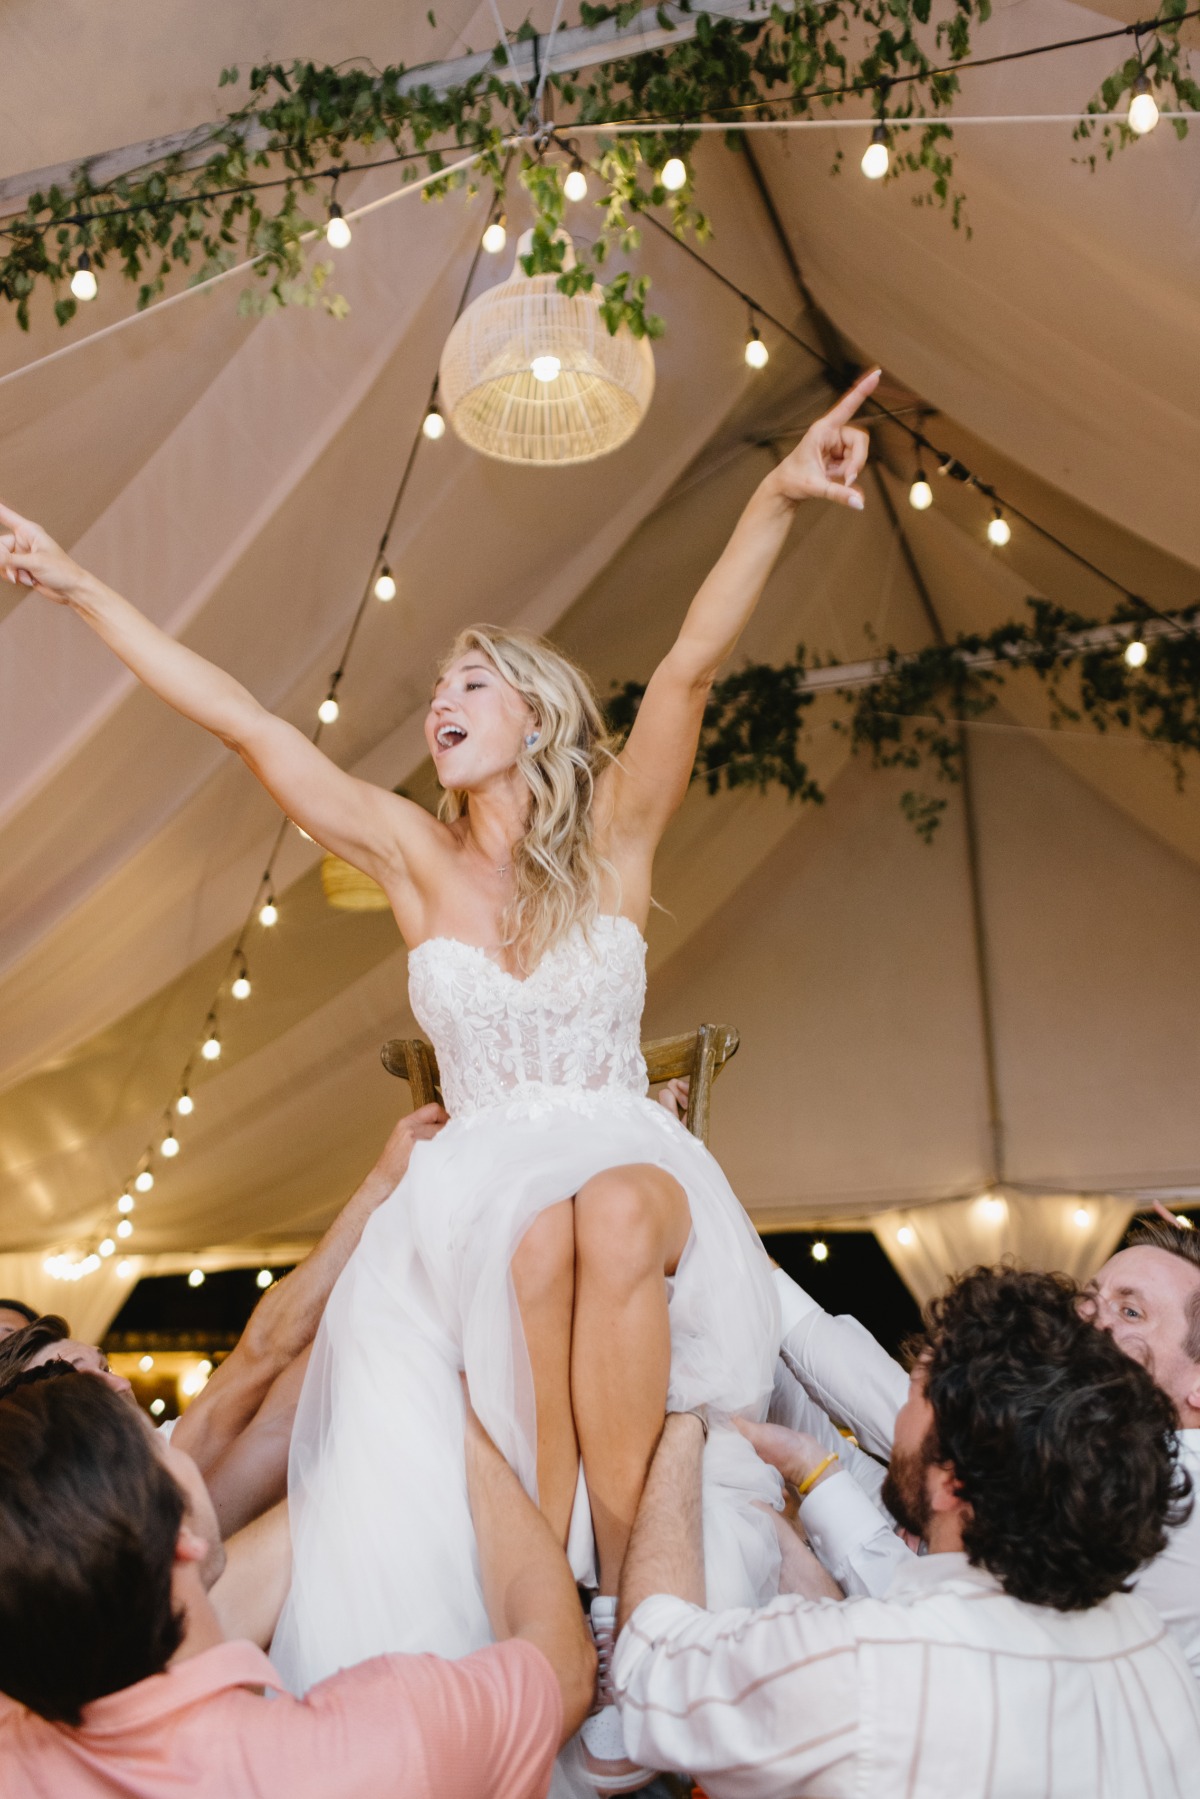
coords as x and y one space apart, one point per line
844 410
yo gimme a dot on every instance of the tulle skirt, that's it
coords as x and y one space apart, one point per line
384 1551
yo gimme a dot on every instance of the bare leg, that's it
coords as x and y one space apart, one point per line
631 1226
543 1272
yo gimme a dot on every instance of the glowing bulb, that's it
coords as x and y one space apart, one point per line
241 987
337 232
999 530
920 494
757 354
124 1269
495 237
210 1049
575 185
328 710
905 1235
106 1248
1082 1217
991 1207
185 1105
435 425
545 368
385 586
1143 108
264 1279
196 1277
84 285
819 1252
158 1407
205 1368
1135 653
877 155
169 1145
124 1229
673 174
268 913
1184 1222
144 1181
125 1203
145 1363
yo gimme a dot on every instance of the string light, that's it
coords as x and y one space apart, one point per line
84 285
124 1268
496 236
920 494
240 987
999 531
146 1363
210 1049
819 1252
337 231
144 1181
264 1279
1143 107
125 1204
268 913
107 1247
185 1105
1184 1222
673 174
124 1228
158 1407
196 1277
328 710
575 185
169 1146
1135 651
435 425
385 584
757 354
878 154
905 1235
1082 1217
991 1207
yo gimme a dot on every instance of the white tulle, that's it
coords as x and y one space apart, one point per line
546 1086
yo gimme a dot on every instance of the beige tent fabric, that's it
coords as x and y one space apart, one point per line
233 477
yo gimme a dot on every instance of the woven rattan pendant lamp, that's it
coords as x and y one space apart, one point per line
532 375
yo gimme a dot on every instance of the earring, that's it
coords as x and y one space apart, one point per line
532 739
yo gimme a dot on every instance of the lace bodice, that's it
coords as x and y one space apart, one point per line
569 1032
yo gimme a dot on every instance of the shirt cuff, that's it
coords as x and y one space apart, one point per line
655 1619
838 1518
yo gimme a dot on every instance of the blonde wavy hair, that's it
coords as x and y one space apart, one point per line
556 864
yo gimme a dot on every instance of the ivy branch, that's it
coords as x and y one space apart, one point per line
1163 60
909 713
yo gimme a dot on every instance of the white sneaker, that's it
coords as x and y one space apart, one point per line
606 1762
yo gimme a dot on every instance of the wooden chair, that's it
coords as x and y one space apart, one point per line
700 1055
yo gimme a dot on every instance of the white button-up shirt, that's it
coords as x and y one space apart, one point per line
948 1689
845 1372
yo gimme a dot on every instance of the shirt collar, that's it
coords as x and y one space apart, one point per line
214 1670
926 1573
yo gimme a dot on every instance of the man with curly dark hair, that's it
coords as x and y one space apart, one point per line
1039 1464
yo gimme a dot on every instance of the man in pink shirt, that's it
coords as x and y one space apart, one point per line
121 1682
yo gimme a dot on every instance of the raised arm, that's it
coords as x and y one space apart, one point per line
364 824
654 768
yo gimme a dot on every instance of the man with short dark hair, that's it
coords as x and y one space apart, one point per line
120 1679
1039 1465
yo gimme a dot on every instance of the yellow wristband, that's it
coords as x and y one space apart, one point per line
811 1480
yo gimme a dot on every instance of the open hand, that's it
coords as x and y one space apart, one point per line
29 557
830 456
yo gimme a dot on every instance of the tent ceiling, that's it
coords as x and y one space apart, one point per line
233 476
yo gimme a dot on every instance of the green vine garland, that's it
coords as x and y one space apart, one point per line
910 717
304 122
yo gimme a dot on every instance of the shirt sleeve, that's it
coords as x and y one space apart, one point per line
751 1703
851 1537
485 1727
841 1367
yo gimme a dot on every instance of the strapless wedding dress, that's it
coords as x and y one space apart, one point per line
545 1085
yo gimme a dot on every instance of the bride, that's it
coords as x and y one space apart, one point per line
562 1239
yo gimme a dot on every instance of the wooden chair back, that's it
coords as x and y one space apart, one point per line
699 1054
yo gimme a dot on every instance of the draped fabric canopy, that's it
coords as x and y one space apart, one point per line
1010 1010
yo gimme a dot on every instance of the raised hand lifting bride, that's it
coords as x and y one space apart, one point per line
562 1239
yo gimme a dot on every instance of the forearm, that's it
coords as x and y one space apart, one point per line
249 1595
666 1549
285 1320
722 608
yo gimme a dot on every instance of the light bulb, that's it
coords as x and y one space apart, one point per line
385 586
125 1204
196 1277
185 1105
575 185
264 1279
999 530
124 1228
83 282
337 232
545 368
328 710
241 987
905 1235
1082 1217
1135 653
435 425
495 237
158 1407
991 1207
1143 107
169 1146
124 1268
145 1363
268 913
106 1248
210 1049
144 1181
1184 1222
877 155
757 354
819 1252
673 174
920 494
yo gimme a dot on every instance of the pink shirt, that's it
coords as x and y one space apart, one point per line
411 1725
